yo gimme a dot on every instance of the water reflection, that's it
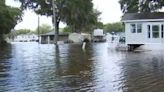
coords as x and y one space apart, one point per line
143 72
5 65
35 67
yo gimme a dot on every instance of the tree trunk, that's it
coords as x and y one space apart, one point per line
57 32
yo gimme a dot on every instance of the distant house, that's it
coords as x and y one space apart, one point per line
144 28
98 35
48 38
26 38
79 37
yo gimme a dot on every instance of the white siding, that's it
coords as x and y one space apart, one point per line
153 40
142 38
134 38
98 32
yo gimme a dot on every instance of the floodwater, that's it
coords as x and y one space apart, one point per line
32 67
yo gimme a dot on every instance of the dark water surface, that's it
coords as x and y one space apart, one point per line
30 67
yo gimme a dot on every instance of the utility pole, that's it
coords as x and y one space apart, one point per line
38 29
54 22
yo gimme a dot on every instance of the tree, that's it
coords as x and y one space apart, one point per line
77 14
44 28
114 27
67 29
22 31
133 6
99 25
9 17
81 15
129 6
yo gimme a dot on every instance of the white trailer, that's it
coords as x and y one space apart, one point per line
98 35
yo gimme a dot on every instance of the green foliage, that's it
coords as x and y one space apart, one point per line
22 31
114 27
80 15
134 6
99 25
67 29
130 5
88 28
44 28
9 17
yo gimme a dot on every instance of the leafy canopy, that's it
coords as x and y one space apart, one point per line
44 28
133 6
114 27
9 17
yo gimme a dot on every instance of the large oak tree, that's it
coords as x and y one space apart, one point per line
9 17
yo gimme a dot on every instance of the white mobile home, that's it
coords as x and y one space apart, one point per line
144 28
26 38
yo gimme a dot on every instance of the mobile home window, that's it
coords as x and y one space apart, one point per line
162 31
155 31
139 28
133 28
51 38
148 27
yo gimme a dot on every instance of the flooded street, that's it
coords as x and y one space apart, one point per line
33 67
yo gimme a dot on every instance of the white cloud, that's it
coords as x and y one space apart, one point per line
30 21
110 13
13 3
110 10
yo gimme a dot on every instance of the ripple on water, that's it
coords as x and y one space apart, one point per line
35 67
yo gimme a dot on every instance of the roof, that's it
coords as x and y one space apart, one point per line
52 33
143 16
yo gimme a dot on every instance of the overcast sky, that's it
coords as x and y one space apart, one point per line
110 13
